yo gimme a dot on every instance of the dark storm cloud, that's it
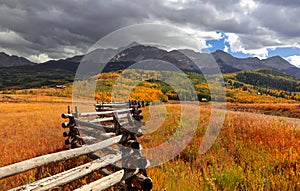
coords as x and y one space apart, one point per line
54 26
283 20
59 29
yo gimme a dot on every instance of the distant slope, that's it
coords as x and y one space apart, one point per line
47 74
9 61
269 79
253 86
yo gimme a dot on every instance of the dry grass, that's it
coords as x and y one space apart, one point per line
282 109
252 152
28 130
21 98
27 126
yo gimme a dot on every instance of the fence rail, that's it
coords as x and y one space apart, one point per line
55 157
114 124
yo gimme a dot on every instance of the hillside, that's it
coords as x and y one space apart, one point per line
48 74
262 85
259 79
255 86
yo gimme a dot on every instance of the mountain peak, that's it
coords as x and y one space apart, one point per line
277 57
9 61
221 53
278 63
134 43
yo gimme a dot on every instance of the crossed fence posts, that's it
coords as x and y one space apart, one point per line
116 124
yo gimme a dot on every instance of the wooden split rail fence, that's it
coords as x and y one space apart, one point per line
110 137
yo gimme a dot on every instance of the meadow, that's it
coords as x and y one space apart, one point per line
28 129
252 152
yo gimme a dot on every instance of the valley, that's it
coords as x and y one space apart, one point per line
257 147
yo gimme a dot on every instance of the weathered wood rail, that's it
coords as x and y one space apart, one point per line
110 139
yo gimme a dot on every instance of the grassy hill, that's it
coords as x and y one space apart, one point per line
48 74
255 86
263 85
269 79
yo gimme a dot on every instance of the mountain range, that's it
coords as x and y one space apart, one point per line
12 68
183 59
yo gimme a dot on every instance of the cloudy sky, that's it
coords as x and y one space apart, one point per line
52 29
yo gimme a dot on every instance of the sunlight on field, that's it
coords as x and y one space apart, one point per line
35 98
252 152
282 109
29 130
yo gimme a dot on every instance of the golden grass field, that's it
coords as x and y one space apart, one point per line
252 152
28 130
